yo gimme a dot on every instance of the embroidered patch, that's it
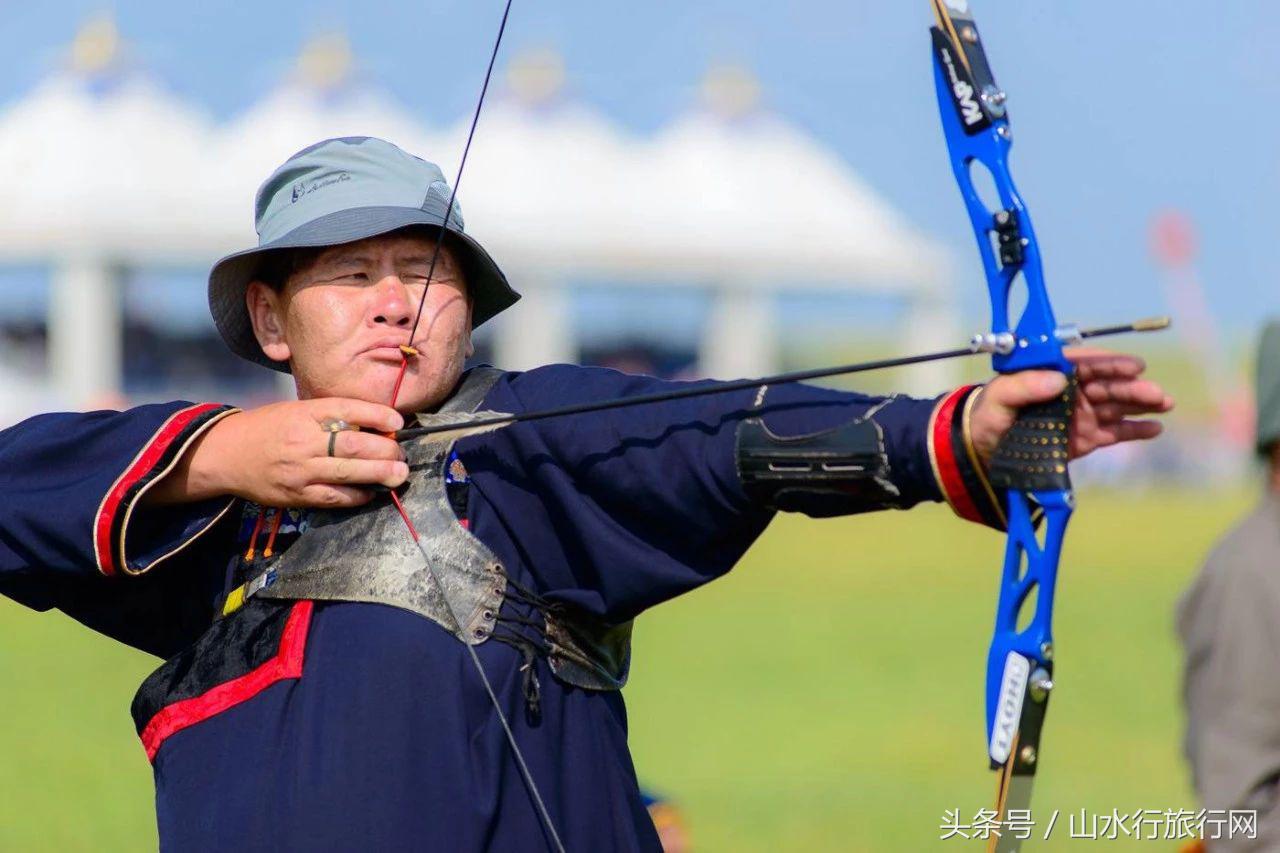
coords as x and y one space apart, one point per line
456 487
455 472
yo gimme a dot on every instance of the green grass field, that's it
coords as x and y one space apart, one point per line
825 696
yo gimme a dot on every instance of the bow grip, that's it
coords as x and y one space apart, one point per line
1033 454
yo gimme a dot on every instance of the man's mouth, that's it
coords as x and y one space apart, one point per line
385 350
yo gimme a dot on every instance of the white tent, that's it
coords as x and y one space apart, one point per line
100 158
103 169
318 101
727 195
543 189
111 172
757 207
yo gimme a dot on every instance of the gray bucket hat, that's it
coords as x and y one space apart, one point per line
339 191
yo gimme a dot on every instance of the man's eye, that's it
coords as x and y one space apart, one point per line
348 278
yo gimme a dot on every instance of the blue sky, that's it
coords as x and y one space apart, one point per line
1119 109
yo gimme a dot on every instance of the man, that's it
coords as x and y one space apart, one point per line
318 693
1227 621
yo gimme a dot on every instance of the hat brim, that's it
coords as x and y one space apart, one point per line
229 279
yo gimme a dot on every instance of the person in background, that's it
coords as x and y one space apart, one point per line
1229 625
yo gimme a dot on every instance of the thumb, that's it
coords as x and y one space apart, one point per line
1017 390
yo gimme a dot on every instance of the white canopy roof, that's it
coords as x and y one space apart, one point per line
100 157
94 169
103 160
319 100
755 198
545 185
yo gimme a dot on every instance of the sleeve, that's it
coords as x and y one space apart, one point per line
631 506
826 453
71 527
960 475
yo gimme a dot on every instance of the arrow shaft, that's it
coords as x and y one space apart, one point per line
744 384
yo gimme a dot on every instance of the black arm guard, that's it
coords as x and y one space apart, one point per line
839 471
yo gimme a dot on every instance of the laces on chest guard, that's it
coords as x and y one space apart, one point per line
838 471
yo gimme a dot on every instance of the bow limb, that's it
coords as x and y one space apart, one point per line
1030 465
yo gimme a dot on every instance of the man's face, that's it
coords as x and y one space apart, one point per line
339 321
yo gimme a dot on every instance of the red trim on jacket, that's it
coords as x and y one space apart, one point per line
287 663
949 477
146 460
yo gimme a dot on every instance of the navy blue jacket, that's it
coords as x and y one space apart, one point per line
339 726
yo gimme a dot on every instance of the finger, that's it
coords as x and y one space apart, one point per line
1100 364
1110 413
361 413
1127 390
365 445
342 472
325 496
1128 430
1136 430
1138 392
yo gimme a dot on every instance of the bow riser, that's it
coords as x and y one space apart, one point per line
1029 467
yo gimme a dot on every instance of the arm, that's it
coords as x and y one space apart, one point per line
622 509
73 535
73 482
635 505
282 455
879 453
96 502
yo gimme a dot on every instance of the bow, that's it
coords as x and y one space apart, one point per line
1030 464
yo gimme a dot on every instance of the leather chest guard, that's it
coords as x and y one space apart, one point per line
365 555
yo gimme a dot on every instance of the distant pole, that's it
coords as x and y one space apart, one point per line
740 337
86 329
932 316
1174 246
541 332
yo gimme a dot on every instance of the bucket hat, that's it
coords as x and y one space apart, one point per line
340 191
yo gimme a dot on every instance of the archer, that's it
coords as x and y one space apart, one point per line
316 692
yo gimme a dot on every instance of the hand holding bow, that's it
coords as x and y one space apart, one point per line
1113 397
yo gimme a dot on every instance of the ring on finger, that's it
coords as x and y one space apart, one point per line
333 426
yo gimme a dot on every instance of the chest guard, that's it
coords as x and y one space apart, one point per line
364 555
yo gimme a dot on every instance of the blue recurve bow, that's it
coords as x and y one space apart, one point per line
1030 465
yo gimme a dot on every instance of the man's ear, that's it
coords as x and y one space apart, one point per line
266 312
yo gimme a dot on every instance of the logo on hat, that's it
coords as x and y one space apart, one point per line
302 188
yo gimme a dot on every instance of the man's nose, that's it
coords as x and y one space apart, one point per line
392 306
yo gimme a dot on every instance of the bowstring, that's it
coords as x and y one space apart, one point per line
405 353
453 197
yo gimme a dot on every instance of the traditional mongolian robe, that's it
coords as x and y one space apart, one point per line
320 725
